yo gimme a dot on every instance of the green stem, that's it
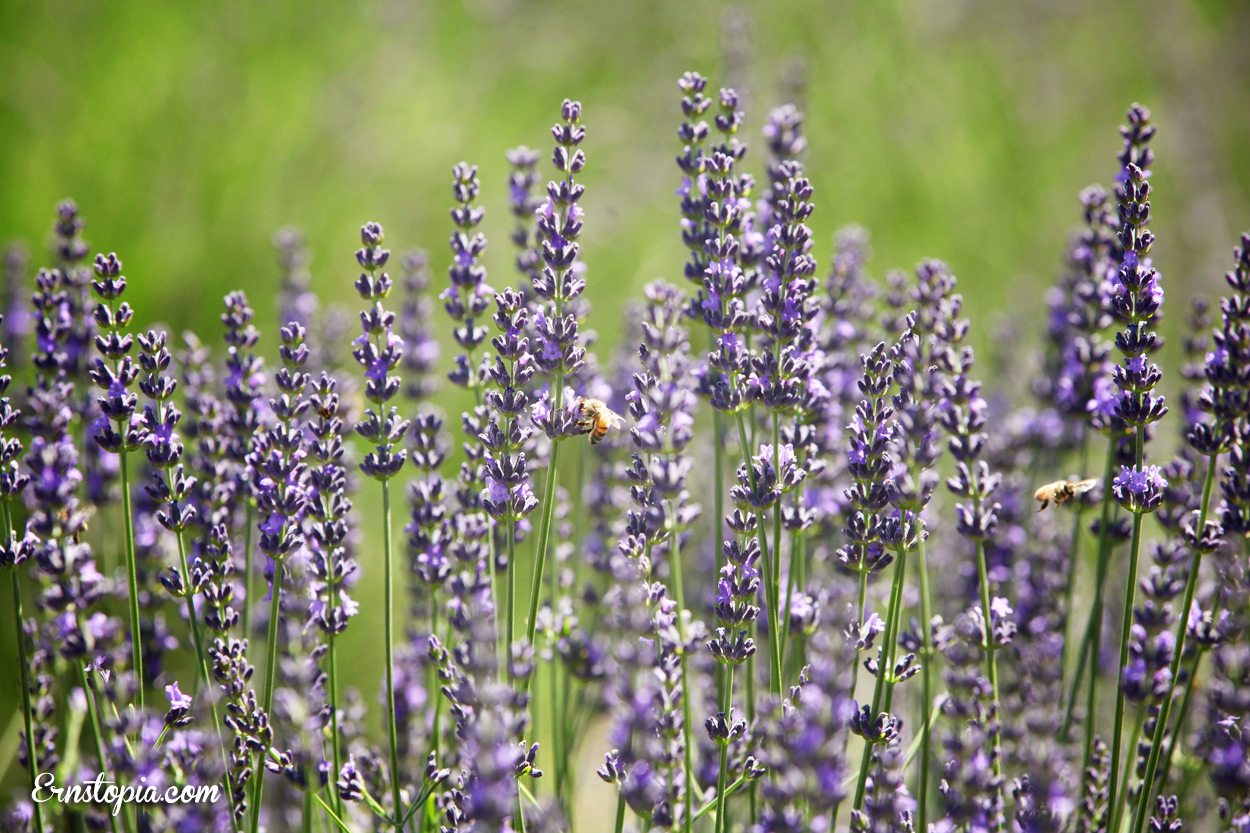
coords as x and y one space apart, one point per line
494 594
335 753
718 491
1165 764
1182 631
201 669
620 813
885 669
271 668
540 553
773 639
511 600
19 632
436 732
99 745
1073 565
729 790
718 487
991 660
796 543
1091 640
782 627
1134 736
926 689
32 764
132 576
674 548
750 693
1126 628
389 613
723 774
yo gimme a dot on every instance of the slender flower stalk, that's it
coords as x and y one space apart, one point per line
782 374
244 382
13 553
379 350
280 482
508 497
1138 299
663 406
332 564
963 415
115 432
558 352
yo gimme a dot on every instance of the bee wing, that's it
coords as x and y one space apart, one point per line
1085 485
613 418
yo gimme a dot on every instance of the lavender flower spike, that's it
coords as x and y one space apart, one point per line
115 431
1137 302
378 350
558 224
281 486
13 554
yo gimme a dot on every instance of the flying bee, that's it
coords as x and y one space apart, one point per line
1062 491
594 417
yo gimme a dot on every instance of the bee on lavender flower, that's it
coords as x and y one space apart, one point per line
1062 491
595 418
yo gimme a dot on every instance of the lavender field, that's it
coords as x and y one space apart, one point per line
485 537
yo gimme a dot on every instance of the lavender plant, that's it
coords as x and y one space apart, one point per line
824 406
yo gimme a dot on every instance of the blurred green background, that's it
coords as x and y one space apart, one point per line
961 129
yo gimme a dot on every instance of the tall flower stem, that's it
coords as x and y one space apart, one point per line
540 552
885 669
991 659
510 613
1165 762
271 667
201 668
926 688
1091 640
674 546
773 639
1117 812
1182 630
776 611
333 690
271 644
132 576
718 471
389 613
1073 564
19 633
723 774
98 736
1126 628
718 490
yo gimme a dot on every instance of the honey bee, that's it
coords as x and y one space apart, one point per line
1062 491
594 417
